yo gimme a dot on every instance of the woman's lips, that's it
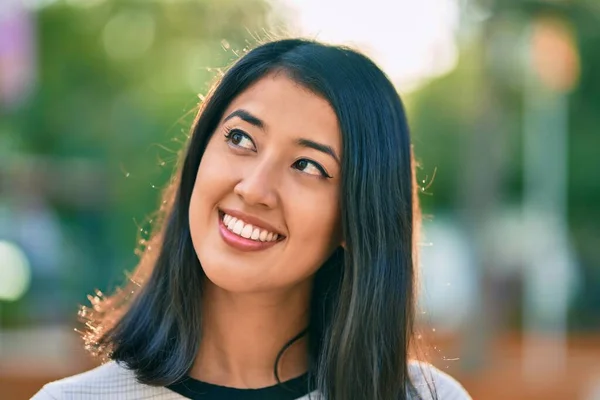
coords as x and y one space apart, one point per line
241 243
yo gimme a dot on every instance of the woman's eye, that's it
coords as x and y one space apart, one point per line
239 139
311 168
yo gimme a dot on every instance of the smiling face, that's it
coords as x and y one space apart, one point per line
264 211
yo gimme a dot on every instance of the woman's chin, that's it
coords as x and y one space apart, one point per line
234 279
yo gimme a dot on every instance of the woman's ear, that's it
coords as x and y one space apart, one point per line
343 244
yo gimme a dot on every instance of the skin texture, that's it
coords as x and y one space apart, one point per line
254 302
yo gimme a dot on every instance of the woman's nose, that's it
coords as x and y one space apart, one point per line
258 187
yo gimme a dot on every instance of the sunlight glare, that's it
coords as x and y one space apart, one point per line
412 41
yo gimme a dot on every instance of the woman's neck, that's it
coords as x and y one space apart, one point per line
243 333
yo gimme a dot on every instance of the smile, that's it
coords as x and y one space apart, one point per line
245 236
248 231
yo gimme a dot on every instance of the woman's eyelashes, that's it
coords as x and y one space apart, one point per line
239 139
311 168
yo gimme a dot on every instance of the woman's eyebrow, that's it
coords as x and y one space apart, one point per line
319 147
246 116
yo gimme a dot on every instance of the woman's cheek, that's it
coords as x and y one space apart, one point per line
315 216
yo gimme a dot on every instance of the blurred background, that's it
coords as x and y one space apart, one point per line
503 97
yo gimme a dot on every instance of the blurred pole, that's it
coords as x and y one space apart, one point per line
480 184
551 72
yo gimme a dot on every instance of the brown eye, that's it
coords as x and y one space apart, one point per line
311 168
238 138
302 164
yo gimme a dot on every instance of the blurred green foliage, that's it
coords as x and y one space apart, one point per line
446 112
118 86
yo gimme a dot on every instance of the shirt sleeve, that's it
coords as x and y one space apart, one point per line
448 388
431 383
48 392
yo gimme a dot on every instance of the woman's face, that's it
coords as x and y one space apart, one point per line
264 212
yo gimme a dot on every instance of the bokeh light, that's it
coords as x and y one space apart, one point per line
15 272
129 34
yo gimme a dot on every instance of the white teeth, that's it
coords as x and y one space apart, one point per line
263 236
248 231
231 223
237 228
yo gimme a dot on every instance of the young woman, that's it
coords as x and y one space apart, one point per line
284 265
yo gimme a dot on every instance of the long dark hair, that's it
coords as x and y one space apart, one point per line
362 307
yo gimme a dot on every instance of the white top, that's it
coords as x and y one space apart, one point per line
115 382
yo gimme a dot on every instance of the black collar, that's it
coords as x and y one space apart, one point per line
198 390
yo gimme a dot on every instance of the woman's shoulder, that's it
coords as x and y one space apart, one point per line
429 383
427 379
107 381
